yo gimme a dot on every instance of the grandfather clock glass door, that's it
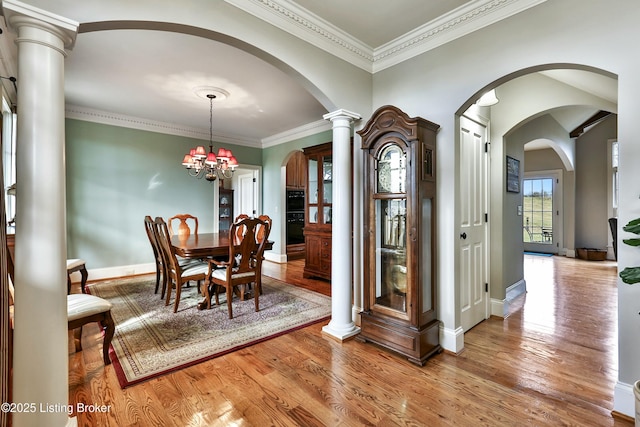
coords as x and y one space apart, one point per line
390 207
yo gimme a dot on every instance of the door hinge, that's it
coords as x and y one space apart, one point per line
486 217
255 180
486 146
486 287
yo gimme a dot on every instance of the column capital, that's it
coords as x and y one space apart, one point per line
19 14
342 114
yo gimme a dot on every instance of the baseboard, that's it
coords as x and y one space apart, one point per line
114 272
452 339
500 308
570 253
275 257
514 291
624 402
497 307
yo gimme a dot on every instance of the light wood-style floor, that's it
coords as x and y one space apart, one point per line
552 362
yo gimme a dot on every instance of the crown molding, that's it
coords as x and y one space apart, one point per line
464 20
295 20
470 17
296 133
121 120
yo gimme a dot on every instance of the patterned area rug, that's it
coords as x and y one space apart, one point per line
151 340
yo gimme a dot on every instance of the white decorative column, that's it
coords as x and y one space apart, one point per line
341 325
40 372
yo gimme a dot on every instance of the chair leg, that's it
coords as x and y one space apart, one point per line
157 278
229 297
168 287
77 338
109 329
257 291
206 293
175 305
84 276
165 282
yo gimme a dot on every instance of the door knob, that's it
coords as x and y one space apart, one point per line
463 235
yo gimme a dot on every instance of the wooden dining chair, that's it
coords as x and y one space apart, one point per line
82 309
149 226
178 273
244 265
183 226
80 266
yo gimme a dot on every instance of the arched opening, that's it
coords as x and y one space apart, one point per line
536 105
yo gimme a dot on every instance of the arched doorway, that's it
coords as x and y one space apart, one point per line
533 104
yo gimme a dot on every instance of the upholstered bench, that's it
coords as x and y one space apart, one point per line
74 265
83 309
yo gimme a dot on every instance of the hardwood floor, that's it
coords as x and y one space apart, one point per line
552 362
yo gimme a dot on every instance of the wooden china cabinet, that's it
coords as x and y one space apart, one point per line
225 206
318 210
399 234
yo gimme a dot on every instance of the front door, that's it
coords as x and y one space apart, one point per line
474 233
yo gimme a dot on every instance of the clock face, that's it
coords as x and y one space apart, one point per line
391 170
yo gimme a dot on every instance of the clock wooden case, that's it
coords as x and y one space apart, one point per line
400 240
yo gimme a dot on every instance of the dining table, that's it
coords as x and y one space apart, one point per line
203 246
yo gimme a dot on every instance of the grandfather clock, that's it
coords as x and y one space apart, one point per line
400 240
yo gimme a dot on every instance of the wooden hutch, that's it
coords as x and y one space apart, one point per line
399 234
318 211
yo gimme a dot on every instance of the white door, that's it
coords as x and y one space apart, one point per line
474 226
246 198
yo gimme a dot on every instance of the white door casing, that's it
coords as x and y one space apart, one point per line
549 243
474 224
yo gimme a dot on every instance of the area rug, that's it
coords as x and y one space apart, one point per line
537 254
151 340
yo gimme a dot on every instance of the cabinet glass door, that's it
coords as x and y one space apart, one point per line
327 188
312 192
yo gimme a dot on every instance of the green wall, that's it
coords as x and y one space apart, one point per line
116 176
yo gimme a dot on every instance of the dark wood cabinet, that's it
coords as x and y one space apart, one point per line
225 209
297 171
318 211
399 310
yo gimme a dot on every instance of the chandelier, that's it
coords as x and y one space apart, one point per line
211 166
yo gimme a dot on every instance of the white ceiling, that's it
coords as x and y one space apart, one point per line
150 77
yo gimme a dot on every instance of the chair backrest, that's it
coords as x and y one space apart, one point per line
183 227
164 244
248 250
239 230
149 226
261 230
